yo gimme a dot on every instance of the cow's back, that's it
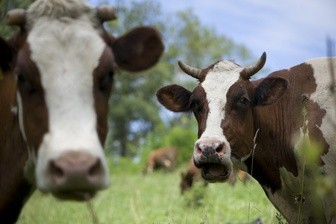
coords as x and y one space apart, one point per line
161 158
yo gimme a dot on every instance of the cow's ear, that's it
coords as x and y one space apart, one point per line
174 98
270 90
7 57
138 49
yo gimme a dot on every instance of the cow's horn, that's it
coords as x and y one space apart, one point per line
106 13
194 72
251 70
16 17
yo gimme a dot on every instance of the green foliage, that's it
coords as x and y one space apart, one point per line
134 110
182 135
6 5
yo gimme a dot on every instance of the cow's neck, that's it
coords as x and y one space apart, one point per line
273 147
14 189
279 170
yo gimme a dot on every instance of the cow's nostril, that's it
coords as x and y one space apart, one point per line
198 148
56 173
220 149
96 169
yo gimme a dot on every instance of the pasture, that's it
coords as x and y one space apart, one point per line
135 198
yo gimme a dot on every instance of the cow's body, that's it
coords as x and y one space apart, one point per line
189 177
56 79
161 158
264 127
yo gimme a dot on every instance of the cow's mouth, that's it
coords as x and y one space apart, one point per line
215 172
75 195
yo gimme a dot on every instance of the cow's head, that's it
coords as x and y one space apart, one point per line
223 104
64 62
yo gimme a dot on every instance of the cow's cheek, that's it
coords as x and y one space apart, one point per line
35 123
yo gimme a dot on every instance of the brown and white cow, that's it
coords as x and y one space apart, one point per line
56 78
260 125
161 158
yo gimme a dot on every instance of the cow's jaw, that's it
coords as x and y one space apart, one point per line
66 55
212 150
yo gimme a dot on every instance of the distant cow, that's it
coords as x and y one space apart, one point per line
56 78
261 126
193 174
189 177
162 158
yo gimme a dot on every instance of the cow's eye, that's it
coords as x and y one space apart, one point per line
24 84
106 81
243 101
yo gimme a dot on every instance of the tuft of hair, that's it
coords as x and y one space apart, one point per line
225 65
56 9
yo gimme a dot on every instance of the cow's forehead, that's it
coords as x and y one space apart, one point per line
58 9
219 79
66 52
216 84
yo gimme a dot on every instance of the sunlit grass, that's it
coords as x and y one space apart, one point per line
135 198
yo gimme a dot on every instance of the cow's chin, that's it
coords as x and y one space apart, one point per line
216 172
74 195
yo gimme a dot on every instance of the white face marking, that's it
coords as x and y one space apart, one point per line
216 84
66 53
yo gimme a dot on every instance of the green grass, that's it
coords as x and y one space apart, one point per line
133 198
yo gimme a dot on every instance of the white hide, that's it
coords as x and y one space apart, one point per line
216 84
66 52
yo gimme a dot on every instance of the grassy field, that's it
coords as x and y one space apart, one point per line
136 199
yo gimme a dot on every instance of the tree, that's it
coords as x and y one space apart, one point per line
6 5
134 110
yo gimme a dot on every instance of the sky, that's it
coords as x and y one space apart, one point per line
289 31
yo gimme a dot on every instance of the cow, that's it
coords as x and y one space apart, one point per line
265 126
56 78
161 158
193 174
189 177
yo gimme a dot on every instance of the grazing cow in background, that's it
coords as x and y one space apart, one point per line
57 73
262 126
162 158
193 174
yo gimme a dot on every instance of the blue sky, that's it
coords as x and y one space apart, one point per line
289 31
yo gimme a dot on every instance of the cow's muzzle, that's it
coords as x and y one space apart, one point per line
76 176
213 158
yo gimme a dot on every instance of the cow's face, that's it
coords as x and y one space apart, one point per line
64 71
223 105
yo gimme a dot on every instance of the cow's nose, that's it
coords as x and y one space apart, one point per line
76 171
209 148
